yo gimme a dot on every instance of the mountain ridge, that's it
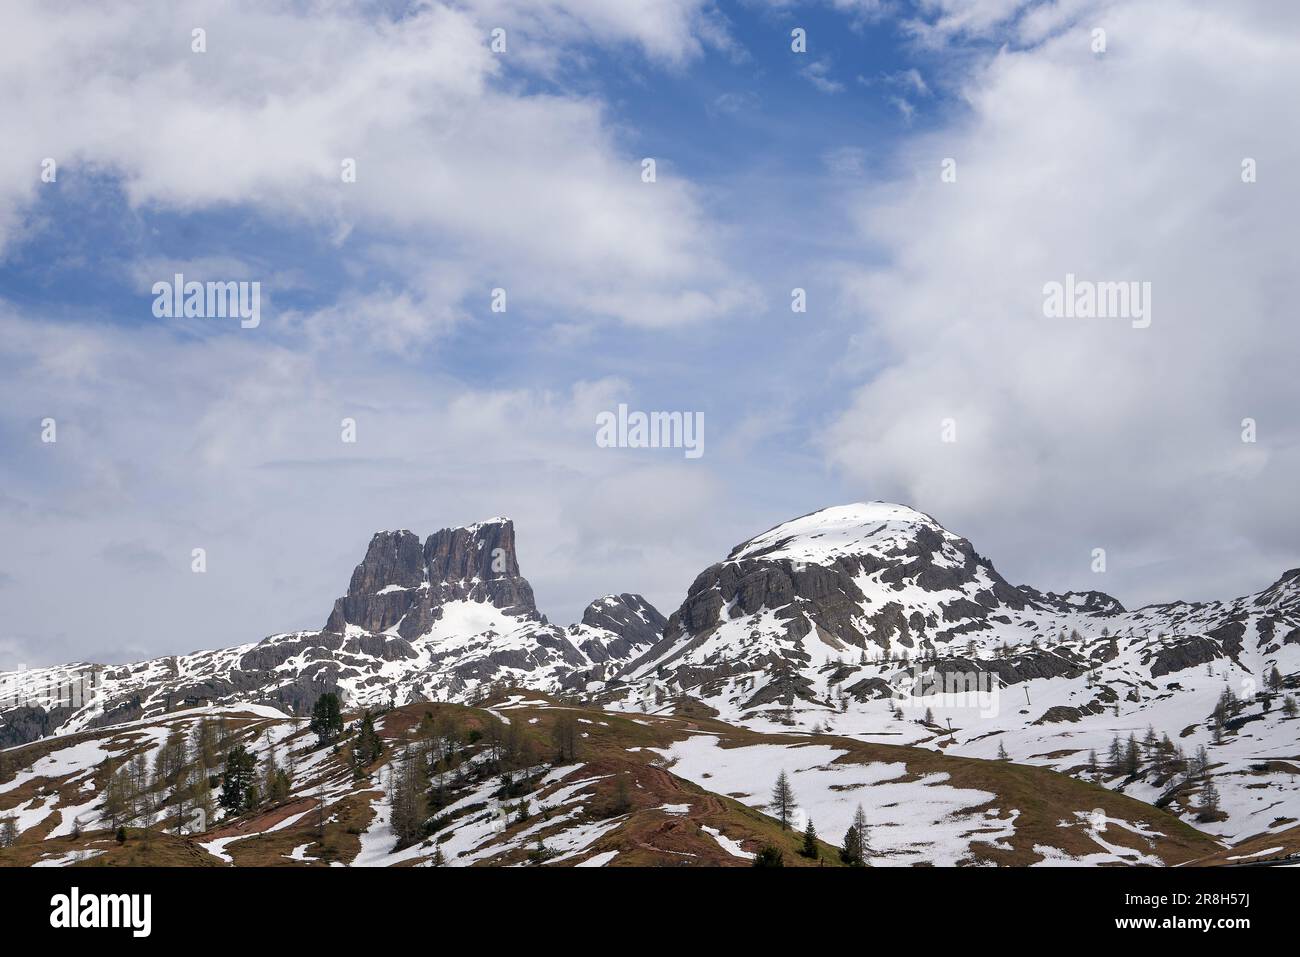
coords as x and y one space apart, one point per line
835 616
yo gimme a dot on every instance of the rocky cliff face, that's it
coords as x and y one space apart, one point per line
834 616
872 583
401 584
441 619
617 628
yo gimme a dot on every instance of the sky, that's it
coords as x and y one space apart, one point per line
921 169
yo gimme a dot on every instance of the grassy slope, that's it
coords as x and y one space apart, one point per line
646 833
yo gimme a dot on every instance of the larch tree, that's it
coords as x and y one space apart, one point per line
783 799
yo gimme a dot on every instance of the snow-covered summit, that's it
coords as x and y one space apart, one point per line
879 528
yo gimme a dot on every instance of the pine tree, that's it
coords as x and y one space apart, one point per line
238 783
1275 680
1114 756
1199 766
857 847
1167 754
181 793
408 788
540 854
851 852
1002 752
783 799
1093 770
8 831
368 746
809 842
1150 743
1132 758
1288 706
327 718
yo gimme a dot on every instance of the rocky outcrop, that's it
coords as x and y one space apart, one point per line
616 628
402 585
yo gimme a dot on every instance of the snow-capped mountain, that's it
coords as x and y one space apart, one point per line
863 581
861 619
440 620
879 582
853 616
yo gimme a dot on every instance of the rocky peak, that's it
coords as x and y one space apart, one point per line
393 560
1283 593
403 584
616 627
1087 602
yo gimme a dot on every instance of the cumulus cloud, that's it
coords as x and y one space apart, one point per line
175 436
237 448
451 149
1081 434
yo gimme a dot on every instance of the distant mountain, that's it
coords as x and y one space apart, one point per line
860 619
438 620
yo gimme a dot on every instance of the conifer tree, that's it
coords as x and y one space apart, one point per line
368 746
851 852
809 841
327 718
783 799
857 847
1208 809
238 782
1132 758
1114 756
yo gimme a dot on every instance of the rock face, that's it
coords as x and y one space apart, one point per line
401 584
838 604
440 619
618 628
872 585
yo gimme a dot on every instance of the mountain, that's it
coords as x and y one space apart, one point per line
439 620
860 615
860 626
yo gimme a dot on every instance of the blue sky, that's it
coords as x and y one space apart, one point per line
775 170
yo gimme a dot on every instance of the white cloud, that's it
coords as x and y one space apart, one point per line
818 73
451 153
236 447
1077 434
940 21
